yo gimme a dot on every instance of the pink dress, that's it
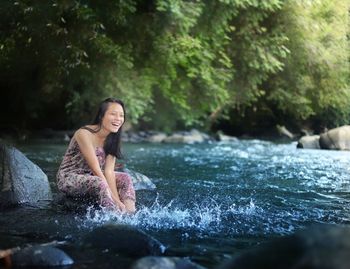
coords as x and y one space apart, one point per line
75 178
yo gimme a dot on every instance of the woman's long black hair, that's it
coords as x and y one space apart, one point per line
112 143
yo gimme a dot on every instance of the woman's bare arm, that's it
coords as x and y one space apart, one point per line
110 176
87 148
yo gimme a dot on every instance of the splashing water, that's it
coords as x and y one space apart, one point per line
200 219
233 189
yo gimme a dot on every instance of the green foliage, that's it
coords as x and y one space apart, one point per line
315 79
175 63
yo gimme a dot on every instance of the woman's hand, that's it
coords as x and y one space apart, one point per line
119 203
120 206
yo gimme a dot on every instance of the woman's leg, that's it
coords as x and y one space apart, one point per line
87 185
126 191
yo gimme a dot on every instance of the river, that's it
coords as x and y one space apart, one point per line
213 200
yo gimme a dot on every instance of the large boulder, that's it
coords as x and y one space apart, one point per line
21 181
309 142
140 181
317 248
337 138
125 240
40 256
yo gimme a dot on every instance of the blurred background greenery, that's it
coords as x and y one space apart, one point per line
242 66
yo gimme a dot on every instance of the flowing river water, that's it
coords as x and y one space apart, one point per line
213 200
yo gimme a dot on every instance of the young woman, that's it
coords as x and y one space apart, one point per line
88 165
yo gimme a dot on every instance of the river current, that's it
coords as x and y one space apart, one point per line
213 200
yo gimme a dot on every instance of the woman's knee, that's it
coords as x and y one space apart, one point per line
128 179
124 179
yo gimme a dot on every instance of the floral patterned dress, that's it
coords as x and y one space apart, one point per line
75 178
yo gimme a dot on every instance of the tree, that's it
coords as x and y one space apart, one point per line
314 83
175 63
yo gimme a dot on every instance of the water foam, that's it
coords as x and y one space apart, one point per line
200 219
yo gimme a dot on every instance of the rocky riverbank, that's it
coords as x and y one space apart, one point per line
130 136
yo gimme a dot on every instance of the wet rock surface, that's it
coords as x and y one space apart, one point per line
39 256
309 142
21 181
325 247
124 240
336 139
140 181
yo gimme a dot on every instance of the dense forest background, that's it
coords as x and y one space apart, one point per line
243 66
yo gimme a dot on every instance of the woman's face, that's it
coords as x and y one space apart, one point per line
113 118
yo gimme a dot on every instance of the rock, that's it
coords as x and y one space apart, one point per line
132 137
21 181
194 136
309 142
174 138
141 182
337 138
306 131
225 138
75 204
156 138
318 248
125 240
38 256
284 131
154 262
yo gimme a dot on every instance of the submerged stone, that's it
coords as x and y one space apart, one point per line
41 256
125 240
154 262
21 181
